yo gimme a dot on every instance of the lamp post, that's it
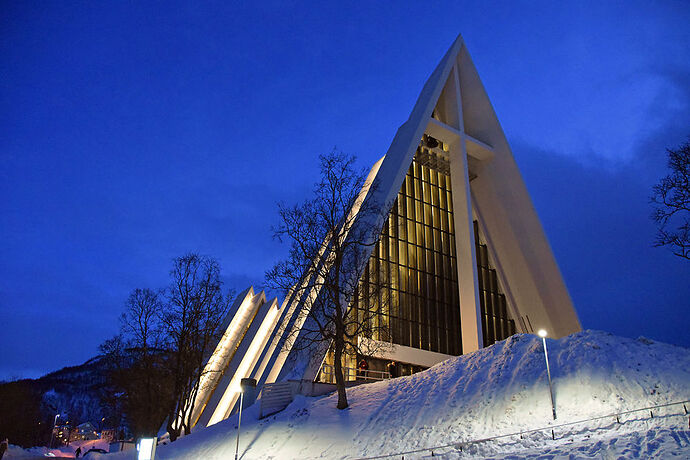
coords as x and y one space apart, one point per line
245 385
52 433
542 334
239 423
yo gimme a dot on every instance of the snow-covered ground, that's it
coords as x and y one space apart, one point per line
62 452
495 391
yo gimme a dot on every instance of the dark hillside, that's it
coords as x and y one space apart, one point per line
77 393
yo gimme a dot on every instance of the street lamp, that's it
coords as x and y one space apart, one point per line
52 433
542 334
245 385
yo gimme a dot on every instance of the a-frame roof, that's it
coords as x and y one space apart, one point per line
498 200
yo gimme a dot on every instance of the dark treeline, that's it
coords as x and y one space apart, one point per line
23 419
146 375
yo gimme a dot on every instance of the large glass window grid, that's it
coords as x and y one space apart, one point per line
413 268
413 271
496 324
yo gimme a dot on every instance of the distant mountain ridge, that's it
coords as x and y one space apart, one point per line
72 390
75 390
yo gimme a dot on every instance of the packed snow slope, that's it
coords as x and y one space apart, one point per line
498 390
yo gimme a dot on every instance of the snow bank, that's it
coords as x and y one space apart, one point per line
497 390
62 452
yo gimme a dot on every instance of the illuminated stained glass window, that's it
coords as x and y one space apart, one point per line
414 264
496 324
413 271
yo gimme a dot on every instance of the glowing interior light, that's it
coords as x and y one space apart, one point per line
542 333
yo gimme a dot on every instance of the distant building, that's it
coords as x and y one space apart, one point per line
85 432
466 257
65 433
109 434
61 433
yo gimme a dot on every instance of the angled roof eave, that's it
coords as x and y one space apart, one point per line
398 158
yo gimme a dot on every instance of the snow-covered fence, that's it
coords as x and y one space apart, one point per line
275 397
550 430
350 374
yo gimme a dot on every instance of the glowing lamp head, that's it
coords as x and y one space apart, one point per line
541 333
247 384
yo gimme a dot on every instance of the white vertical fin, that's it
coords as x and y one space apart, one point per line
468 282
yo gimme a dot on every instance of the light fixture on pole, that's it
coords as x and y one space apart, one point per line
245 385
52 433
542 334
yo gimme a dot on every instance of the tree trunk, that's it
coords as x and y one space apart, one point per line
173 432
173 424
339 379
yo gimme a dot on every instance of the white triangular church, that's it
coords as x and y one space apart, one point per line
469 262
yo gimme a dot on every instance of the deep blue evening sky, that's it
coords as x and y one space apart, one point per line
132 133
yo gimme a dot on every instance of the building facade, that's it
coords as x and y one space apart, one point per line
461 263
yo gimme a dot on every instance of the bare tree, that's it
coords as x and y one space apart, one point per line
113 394
141 321
157 360
331 236
192 320
671 201
136 361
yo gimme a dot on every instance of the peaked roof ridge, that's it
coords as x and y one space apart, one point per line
390 174
437 79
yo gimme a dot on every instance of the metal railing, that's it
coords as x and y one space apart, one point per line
460 445
350 373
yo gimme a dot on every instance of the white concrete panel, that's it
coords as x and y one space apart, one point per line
282 333
401 353
257 304
509 222
243 312
470 313
267 357
246 365
468 286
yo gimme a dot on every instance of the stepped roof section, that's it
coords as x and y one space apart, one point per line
487 188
